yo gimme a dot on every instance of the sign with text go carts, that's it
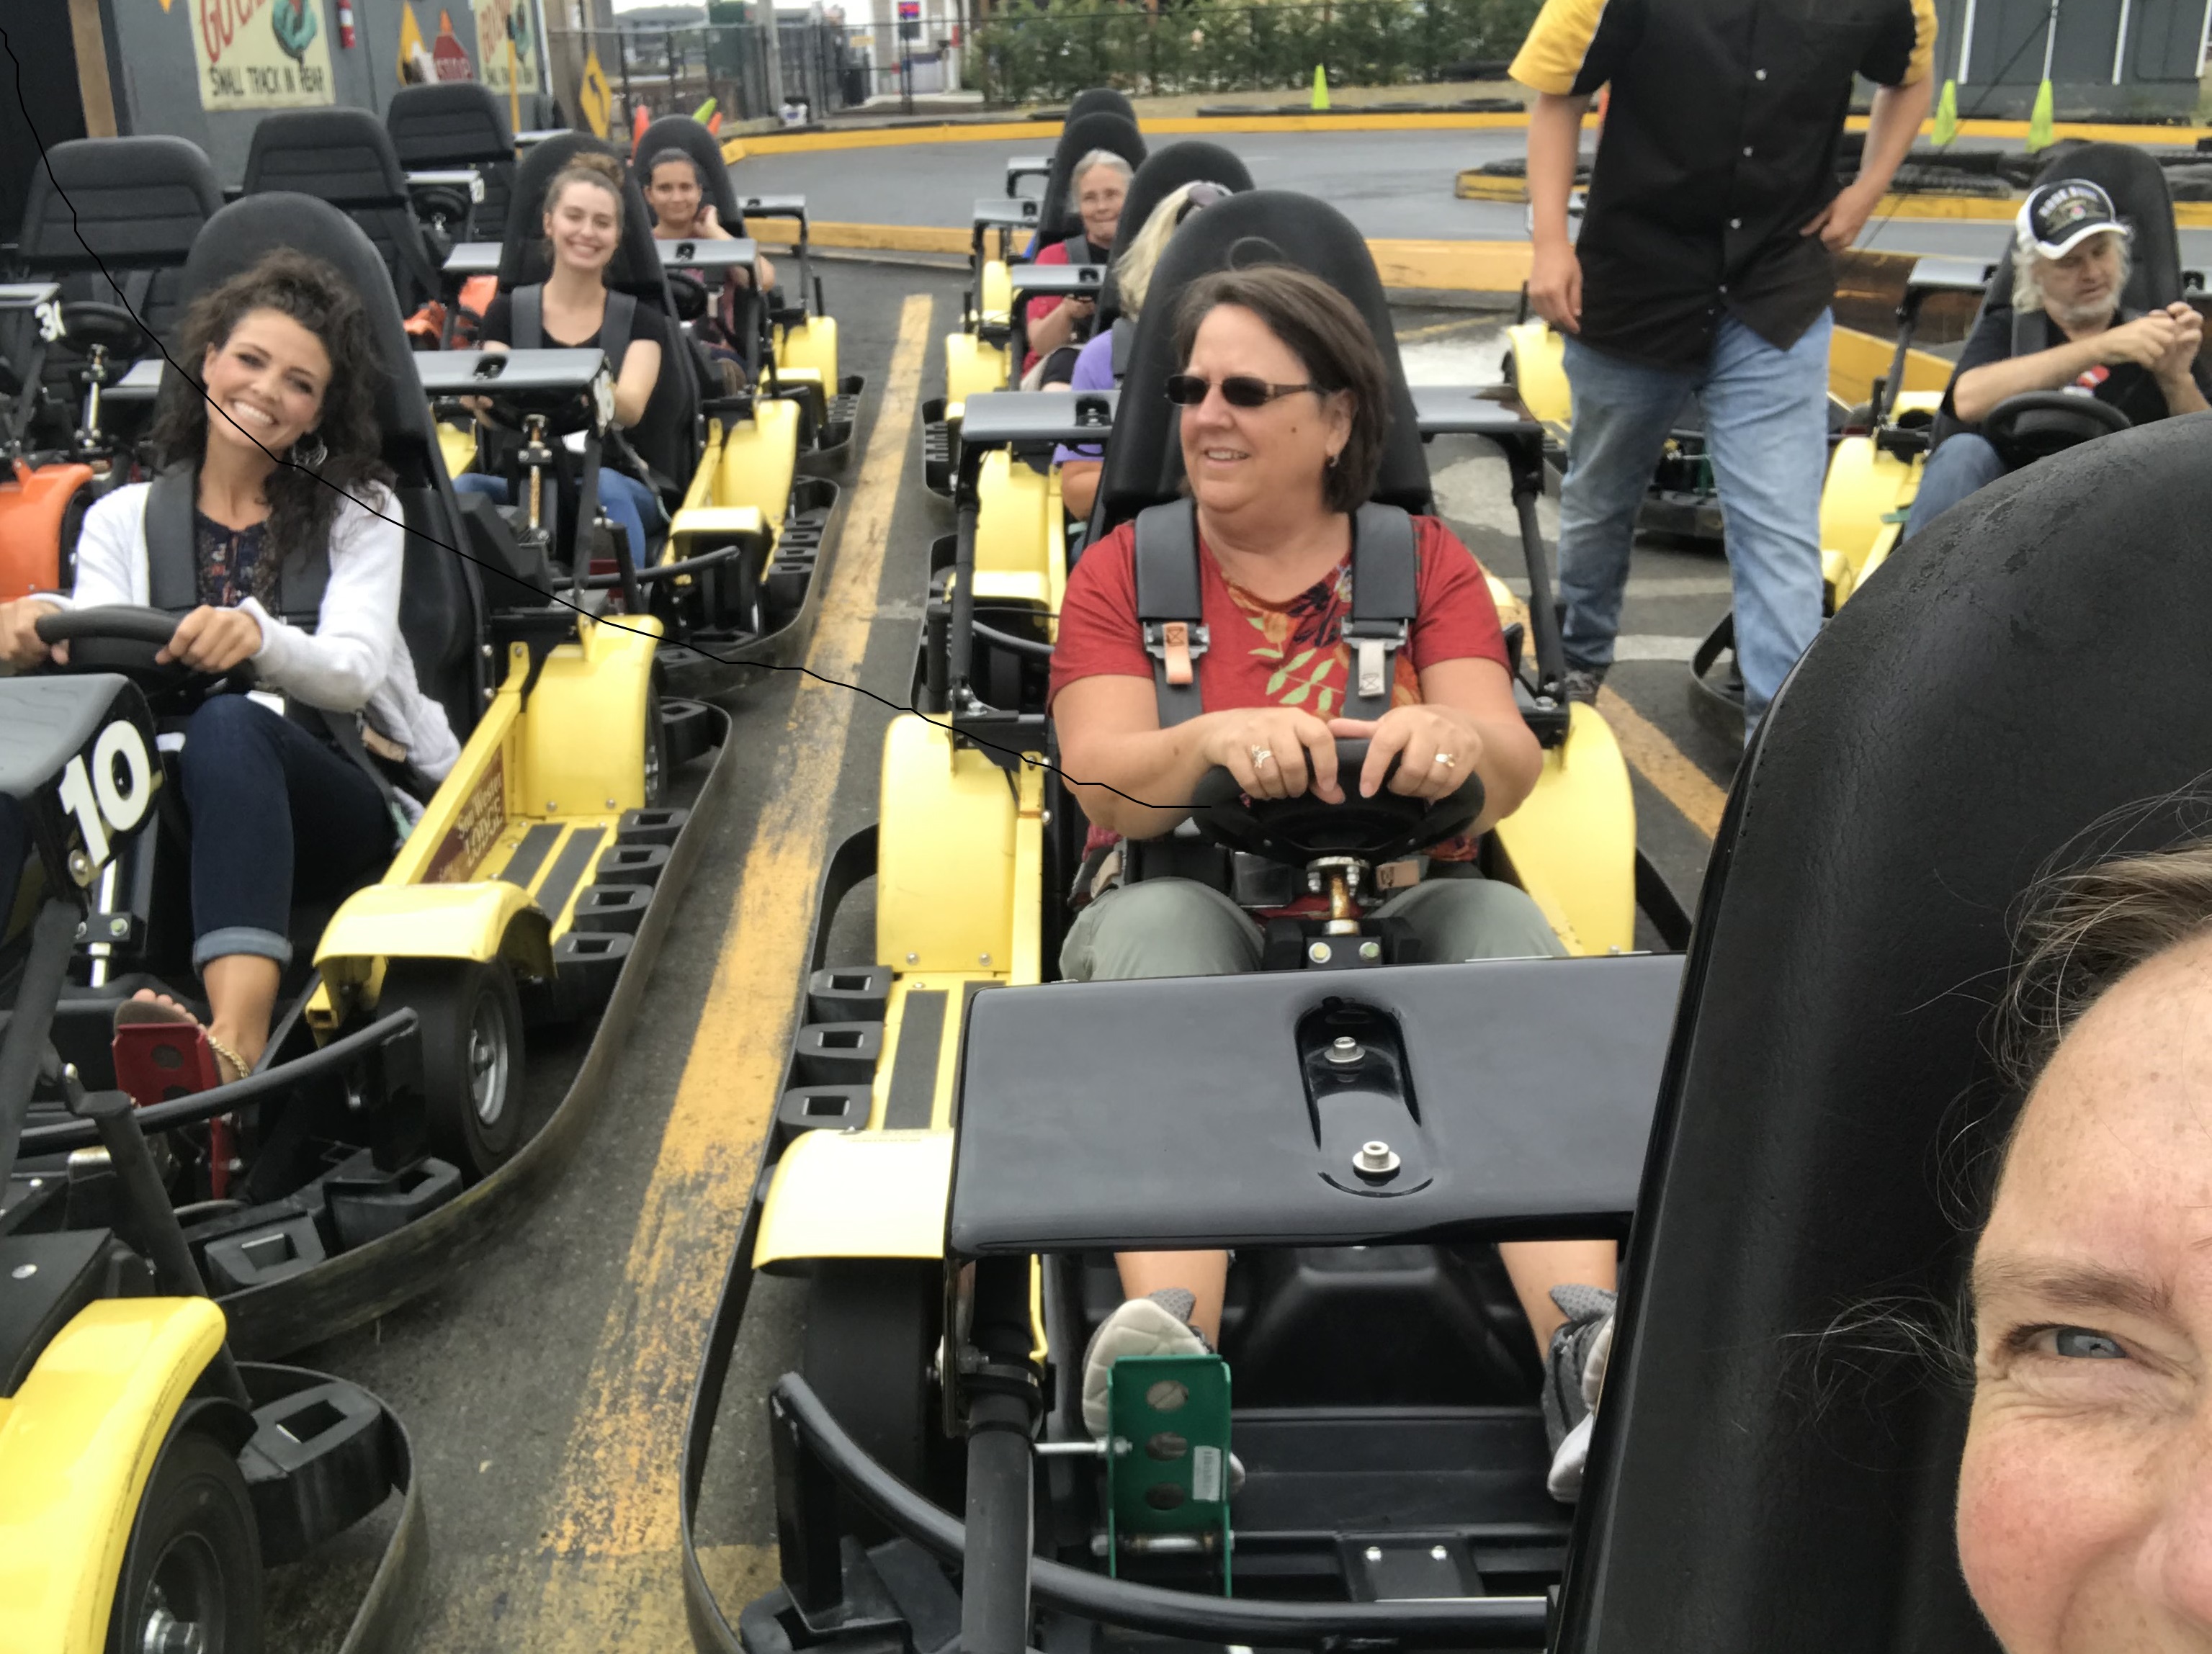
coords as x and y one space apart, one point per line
261 54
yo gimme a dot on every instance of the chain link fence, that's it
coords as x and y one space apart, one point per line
671 71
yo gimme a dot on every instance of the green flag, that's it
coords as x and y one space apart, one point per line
1320 89
2038 124
1946 114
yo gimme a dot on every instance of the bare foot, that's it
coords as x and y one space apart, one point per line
225 1069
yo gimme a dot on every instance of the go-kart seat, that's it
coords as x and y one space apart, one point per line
345 157
667 438
1144 461
137 204
445 124
1057 219
440 598
2137 184
1101 100
682 132
1193 161
1777 1457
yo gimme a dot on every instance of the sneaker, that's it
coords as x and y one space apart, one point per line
1157 1325
1582 682
1574 1375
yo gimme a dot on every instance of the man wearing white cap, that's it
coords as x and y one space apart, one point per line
2065 329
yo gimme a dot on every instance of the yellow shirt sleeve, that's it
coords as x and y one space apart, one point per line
1556 57
1923 42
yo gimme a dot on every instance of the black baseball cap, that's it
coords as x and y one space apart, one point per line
2060 215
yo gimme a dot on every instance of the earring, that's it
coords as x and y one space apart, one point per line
312 458
1333 458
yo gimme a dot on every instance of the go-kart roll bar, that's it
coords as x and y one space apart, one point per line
799 1424
23 1047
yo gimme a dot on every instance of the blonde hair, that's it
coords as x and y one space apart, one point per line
1133 271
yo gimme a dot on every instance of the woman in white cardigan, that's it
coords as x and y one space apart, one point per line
294 561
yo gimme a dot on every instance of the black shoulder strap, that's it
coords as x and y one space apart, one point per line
1079 251
173 572
528 328
1386 580
615 328
1125 346
1170 608
301 579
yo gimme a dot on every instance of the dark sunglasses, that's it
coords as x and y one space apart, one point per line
1238 390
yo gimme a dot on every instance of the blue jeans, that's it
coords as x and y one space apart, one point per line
1965 464
624 499
1766 428
259 787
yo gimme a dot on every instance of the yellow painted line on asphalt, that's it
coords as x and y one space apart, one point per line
1663 764
617 1495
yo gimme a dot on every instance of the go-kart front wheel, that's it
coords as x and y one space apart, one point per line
470 1029
192 1579
873 1328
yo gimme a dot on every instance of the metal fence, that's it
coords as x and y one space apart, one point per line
671 71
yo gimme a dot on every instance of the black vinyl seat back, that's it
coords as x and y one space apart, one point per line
1143 458
1057 218
447 123
1191 161
138 204
667 437
682 132
440 598
345 157
2137 184
1101 100
1768 1473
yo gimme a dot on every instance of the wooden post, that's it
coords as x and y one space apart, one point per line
90 44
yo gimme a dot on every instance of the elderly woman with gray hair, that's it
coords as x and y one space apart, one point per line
2066 329
1098 187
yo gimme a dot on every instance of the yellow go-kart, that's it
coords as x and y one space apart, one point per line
387 1134
975 858
985 353
734 582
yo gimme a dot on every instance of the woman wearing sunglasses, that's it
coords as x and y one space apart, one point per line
1283 395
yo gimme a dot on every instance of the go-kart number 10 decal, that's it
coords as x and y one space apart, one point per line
109 796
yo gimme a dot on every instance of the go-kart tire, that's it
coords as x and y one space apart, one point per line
470 1017
195 1557
874 1327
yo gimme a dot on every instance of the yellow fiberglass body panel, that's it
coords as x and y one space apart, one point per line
1572 842
1020 544
1539 357
994 291
457 443
1857 360
78 1441
1866 488
810 344
972 367
945 855
857 1194
753 462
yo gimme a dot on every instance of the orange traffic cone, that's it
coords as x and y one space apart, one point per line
715 124
639 121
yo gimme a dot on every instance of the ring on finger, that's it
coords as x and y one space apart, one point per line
1445 760
1262 756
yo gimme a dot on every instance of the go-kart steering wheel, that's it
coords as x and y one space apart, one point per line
2037 424
117 638
1306 828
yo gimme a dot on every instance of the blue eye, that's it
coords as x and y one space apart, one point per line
2081 1344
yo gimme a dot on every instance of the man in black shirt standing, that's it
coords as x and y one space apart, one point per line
2065 329
1706 264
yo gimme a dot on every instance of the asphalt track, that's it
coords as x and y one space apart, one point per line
546 1386
1390 185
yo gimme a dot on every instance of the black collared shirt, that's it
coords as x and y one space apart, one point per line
1719 147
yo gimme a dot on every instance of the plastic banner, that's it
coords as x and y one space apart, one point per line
262 54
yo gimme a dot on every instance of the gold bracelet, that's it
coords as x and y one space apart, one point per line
236 1062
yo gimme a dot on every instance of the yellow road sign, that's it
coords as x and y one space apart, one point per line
597 97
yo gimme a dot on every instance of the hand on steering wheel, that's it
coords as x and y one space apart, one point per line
212 640
1269 749
20 645
1439 749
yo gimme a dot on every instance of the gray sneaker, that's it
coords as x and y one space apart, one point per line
1582 682
1574 1374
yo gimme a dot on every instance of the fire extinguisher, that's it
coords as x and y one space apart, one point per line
345 23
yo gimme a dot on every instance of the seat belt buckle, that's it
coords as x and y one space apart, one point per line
1374 645
1177 644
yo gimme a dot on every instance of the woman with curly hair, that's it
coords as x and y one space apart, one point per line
295 552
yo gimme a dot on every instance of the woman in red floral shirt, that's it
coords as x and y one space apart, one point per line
1274 486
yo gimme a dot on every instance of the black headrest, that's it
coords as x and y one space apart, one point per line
140 202
1777 1459
1144 460
239 236
682 132
448 123
2137 184
1193 161
342 155
1101 100
636 268
1102 130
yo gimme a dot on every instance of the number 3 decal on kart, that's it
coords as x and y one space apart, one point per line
111 796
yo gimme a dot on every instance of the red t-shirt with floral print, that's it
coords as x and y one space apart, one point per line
1290 654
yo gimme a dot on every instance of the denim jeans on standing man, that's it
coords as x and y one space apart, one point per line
1767 430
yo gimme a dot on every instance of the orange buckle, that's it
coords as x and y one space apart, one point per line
1175 637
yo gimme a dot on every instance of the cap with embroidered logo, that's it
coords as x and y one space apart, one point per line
2060 215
